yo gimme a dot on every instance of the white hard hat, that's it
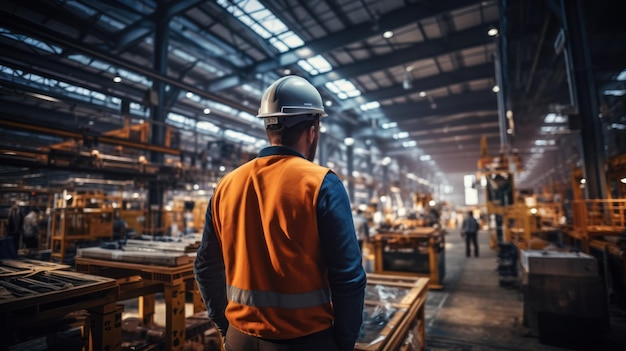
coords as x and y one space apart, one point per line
290 100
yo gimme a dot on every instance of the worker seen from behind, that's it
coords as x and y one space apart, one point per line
279 266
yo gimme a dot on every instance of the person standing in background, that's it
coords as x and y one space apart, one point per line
469 230
31 229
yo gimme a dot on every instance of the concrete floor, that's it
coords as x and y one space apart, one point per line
473 312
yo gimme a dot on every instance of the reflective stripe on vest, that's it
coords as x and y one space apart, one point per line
256 298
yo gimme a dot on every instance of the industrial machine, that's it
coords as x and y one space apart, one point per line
412 245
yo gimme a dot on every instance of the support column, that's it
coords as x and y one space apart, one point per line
370 167
174 317
584 97
106 327
158 114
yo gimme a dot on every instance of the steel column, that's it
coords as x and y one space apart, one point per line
583 95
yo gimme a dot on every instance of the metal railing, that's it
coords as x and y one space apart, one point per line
599 215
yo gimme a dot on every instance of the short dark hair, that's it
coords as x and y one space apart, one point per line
289 136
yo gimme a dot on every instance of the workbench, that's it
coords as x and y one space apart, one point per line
40 295
145 280
415 252
393 316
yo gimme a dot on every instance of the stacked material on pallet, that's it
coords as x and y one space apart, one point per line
142 256
147 246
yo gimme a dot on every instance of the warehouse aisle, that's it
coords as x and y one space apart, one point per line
473 312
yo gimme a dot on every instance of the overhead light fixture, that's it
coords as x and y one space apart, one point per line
385 161
495 89
287 71
388 34
328 103
583 181
348 141
623 180
206 111
189 95
44 97
492 32
422 93
407 83
117 78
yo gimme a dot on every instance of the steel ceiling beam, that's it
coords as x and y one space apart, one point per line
483 100
403 16
456 41
459 76
137 31
462 122
72 45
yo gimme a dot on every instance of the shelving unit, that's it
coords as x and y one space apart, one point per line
79 216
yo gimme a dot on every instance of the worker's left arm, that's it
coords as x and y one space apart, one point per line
209 272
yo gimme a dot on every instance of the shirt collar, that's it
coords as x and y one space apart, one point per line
279 150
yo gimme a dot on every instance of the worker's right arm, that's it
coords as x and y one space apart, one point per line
209 272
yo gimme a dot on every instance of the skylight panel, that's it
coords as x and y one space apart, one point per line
370 105
249 6
319 63
269 21
291 39
249 117
240 136
410 143
252 90
183 55
110 21
222 107
315 65
263 22
622 75
6 70
282 47
87 10
389 125
343 88
401 135
307 67
207 126
30 41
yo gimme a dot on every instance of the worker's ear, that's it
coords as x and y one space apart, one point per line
311 133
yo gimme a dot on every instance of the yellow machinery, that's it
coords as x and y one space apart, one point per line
413 246
417 251
598 226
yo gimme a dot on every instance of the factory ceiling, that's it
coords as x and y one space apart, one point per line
417 79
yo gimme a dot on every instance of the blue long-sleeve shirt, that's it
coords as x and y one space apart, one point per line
340 250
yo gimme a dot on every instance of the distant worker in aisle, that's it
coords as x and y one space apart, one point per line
469 230
279 266
31 229
15 225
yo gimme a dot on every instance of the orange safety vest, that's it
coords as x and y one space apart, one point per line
264 215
